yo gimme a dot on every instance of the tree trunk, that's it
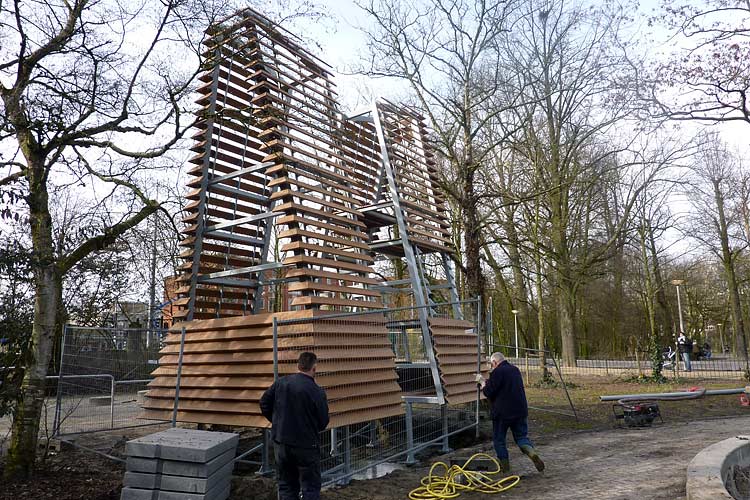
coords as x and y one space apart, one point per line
665 314
727 259
540 315
520 290
48 293
618 265
566 311
475 284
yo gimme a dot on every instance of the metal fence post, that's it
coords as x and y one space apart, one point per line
346 479
528 373
58 400
112 403
373 434
479 370
265 454
179 377
410 458
334 444
444 417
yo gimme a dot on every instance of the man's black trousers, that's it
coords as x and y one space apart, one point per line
298 471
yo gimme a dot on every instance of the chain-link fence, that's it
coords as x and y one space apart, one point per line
557 392
102 379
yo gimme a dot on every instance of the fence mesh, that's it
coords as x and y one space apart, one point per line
102 379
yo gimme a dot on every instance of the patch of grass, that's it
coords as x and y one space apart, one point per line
594 414
643 379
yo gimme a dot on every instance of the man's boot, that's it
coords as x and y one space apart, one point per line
530 452
504 465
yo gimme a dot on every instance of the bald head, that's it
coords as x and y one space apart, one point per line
496 359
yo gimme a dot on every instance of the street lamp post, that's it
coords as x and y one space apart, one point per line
677 283
721 338
515 327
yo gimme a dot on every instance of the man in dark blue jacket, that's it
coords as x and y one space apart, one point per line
509 410
297 408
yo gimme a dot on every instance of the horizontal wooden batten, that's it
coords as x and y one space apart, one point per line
228 362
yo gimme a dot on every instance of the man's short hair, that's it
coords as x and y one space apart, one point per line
497 357
306 361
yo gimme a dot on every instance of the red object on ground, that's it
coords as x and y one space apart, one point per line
744 401
695 388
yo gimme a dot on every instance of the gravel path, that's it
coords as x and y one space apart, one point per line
645 464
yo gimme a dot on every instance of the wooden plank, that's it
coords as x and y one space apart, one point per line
291 233
304 186
307 168
325 201
310 285
218 394
354 234
316 300
327 263
327 250
323 176
354 404
224 382
295 208
346 278
365 415
233 420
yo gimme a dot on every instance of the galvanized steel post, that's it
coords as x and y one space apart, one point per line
445 448
179 378
410 458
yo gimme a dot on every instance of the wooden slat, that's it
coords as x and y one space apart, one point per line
314 299
310 285
331 250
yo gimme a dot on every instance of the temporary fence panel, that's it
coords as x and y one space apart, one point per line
102 379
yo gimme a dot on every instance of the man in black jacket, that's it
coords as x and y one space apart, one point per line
509 410
298 411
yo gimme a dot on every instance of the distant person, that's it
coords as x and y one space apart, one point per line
707 350
685 346
297 408
509 410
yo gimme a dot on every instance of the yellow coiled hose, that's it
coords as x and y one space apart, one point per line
437 487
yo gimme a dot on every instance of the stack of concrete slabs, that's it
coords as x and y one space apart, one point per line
180 464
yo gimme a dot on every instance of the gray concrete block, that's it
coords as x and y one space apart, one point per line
178 483
219 493
177 468
185 445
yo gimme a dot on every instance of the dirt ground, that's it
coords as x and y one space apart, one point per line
585 458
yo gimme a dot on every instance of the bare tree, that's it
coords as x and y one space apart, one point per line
565 61
92 95
707 77
718 222
448 51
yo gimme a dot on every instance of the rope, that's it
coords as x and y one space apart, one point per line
437 487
